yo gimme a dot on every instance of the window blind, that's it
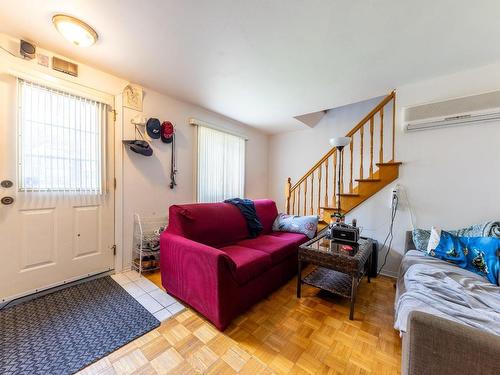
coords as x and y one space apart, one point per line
61 141
221 165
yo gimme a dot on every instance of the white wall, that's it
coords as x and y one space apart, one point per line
146 179
143 182
451 175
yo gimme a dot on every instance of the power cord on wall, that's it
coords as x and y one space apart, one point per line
390 235
410 209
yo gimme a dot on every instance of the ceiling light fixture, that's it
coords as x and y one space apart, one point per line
75 30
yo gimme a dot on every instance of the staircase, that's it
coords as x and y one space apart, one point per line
363 173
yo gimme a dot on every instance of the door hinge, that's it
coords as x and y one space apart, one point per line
114 115
114 249
114 182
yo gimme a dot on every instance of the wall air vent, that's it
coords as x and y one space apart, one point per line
64 66
473 109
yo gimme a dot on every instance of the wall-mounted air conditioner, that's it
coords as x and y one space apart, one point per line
475 109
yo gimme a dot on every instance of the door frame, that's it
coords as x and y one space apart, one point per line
24 70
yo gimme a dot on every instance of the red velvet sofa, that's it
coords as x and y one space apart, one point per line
209 262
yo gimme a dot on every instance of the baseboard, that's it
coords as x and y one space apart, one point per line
391 274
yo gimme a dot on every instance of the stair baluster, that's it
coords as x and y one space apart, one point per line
319 188
371 146
311 209
351 147
298 201
381 156
326 184
334 178
393 128
361 147
305 197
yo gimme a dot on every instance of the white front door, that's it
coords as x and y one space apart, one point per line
60 226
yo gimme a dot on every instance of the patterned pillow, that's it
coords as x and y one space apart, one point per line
477 254
296 224
421 238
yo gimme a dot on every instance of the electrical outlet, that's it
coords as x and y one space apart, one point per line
395 195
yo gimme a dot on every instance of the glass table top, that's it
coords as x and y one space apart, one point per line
328 246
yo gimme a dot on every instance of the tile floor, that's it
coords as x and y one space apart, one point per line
153 298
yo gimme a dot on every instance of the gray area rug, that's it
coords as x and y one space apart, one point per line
65 331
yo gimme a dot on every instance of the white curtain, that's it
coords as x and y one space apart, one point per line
62 140
221 165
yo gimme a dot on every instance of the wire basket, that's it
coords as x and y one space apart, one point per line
146 243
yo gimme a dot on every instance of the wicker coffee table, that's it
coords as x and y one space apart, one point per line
337 270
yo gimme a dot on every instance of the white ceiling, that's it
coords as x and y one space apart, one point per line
264 62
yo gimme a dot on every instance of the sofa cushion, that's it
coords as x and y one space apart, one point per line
266 211
250 263
296 238
278 248
212 224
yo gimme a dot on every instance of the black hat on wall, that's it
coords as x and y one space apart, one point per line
153 127
141 147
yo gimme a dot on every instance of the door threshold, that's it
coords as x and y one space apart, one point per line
33 295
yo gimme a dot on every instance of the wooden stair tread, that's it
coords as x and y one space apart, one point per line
329 208
349 195
368 180
389 163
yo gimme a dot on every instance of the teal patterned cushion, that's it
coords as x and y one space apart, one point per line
421 238
486 229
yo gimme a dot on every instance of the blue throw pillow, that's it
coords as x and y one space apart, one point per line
296 224
477 254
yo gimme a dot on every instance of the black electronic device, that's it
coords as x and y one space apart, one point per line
344 232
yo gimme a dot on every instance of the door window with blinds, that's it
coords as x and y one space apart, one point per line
221 165
61 141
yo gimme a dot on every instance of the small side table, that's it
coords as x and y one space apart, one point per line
338 270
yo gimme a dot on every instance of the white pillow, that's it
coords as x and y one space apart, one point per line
434 239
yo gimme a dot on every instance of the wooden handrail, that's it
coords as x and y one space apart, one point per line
373 112
360 124
315 166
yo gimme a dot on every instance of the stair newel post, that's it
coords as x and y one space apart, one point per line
361 147
351 147
326 182
371 146
288 190
381 156
393 125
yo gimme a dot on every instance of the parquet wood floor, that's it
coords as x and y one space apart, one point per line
281 335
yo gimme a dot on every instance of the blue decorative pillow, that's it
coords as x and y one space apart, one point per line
297 224
477 254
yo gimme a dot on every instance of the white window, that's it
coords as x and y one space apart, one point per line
61 141
221 165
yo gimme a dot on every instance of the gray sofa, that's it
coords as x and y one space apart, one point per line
438 345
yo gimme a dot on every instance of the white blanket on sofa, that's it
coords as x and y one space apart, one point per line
442 289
